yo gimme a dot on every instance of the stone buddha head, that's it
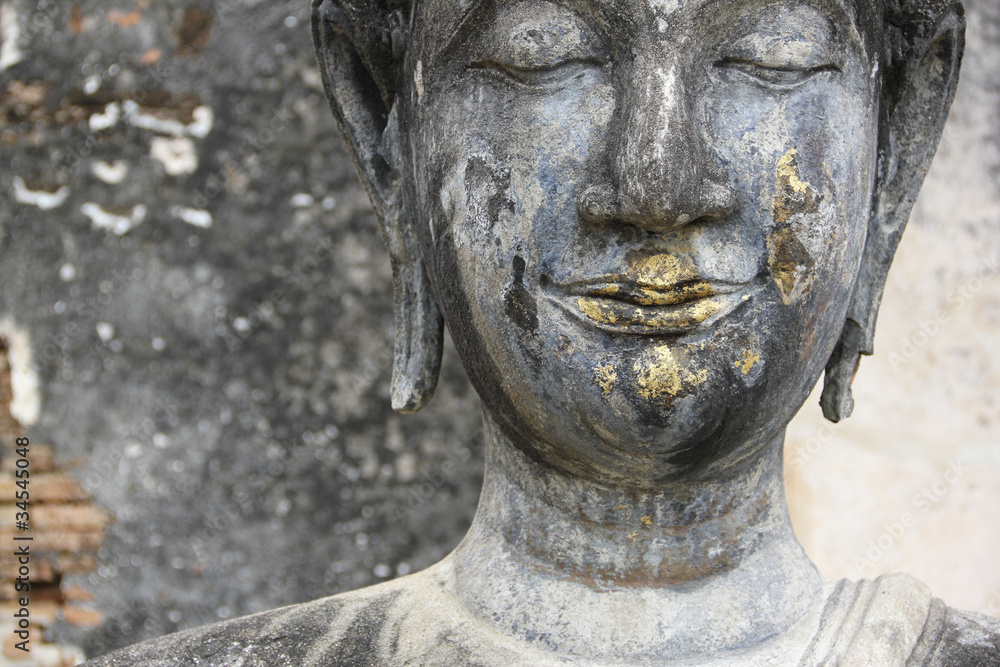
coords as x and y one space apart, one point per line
649 225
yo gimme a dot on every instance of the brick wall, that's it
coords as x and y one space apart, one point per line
67 531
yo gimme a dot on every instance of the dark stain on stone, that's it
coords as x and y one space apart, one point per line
193 32
490 187
520 305
361 639
500 201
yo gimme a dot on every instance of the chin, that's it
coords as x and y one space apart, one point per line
646 412
625 408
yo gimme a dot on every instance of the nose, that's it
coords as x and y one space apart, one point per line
656 173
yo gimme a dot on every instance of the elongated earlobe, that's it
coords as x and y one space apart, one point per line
419 326
360 46
921 76
419 330
836 400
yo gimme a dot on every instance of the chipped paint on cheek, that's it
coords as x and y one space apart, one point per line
792 195
660 377
791 263
477 199
749 359
606 377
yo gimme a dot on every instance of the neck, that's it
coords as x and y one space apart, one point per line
696 566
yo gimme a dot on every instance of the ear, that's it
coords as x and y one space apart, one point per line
924 51
360 45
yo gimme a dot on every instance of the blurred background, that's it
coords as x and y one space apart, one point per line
196 335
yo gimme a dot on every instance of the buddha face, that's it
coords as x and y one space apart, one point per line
643 219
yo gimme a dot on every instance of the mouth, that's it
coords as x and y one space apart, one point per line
651 309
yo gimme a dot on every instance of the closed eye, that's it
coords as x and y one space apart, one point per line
780 76
539 76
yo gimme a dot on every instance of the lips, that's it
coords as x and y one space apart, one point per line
651 308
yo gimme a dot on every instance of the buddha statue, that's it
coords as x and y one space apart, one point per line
649 226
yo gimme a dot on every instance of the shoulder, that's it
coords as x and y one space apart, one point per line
342 629
895 620
415 620
966 639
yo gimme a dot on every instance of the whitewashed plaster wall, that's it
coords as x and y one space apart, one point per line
911 482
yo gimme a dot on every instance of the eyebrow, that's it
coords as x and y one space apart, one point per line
839 11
